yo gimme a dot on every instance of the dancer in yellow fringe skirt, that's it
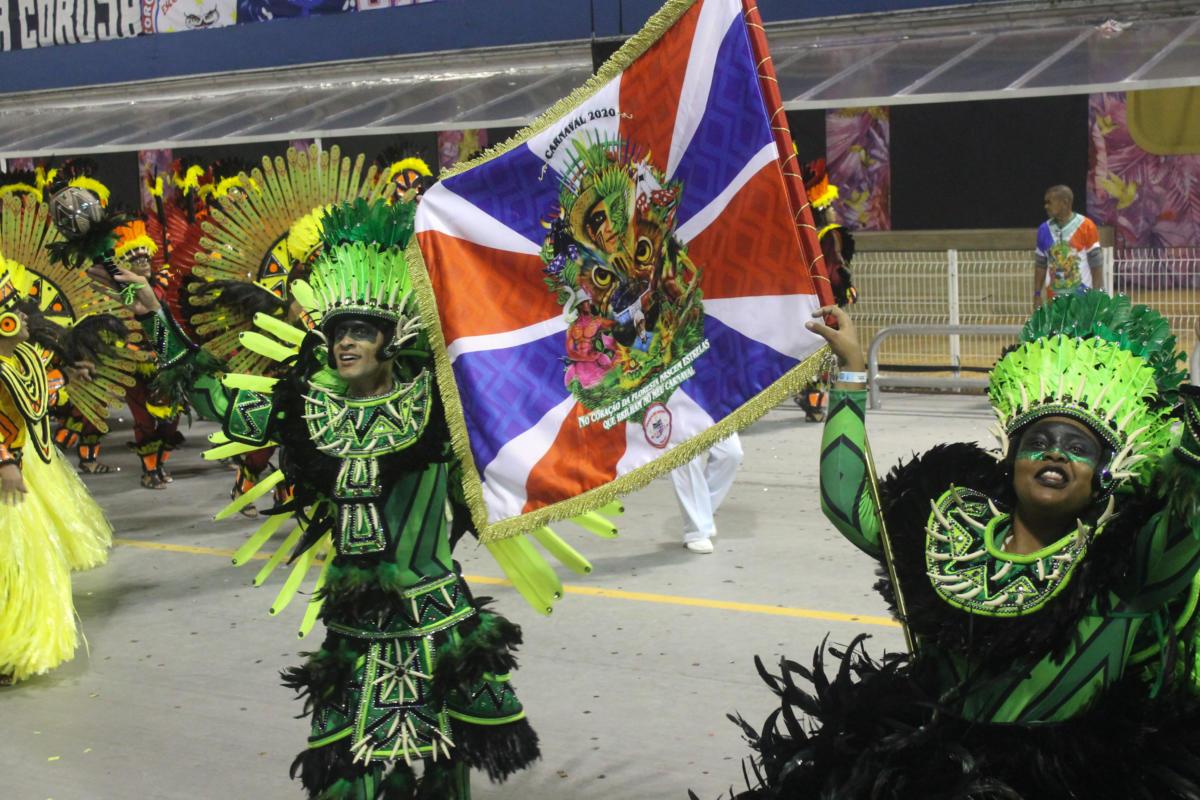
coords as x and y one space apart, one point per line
49 524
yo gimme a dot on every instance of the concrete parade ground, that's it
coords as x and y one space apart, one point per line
176 693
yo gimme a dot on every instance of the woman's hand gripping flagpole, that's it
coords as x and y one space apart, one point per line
843 341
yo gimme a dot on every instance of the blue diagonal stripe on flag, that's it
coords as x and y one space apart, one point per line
503 189
732 130
516 386
734 369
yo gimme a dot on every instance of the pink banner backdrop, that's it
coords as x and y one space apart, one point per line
1152 201
152 163
858 157
454 147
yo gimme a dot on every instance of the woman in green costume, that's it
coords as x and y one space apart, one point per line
1046 589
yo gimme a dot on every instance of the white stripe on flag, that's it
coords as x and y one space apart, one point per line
504 479
596 119
499 341
443 211
705 216
715 17
687 420
775 320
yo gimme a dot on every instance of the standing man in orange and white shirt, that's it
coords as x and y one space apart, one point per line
1068 257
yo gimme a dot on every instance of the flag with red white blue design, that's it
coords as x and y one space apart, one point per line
626 281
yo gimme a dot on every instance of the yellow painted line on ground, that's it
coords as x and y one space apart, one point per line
588 591
179 548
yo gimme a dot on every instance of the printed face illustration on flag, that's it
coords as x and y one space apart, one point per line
624 284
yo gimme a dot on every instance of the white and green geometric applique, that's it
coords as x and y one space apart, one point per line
968 568
349 427
358 431
357 492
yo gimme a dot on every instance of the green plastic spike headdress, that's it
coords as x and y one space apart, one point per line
1103 361
363 270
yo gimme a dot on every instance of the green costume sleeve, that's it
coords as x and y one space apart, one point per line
1167 552
248 417
170 345
846 496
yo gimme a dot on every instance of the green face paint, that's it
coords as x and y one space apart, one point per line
1044 455
1061 438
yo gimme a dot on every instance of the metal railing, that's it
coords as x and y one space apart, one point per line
994 287
876 382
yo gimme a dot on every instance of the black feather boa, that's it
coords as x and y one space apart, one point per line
906 494
877 733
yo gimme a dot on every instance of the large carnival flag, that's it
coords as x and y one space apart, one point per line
624 282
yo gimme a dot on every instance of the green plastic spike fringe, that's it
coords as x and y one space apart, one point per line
294 579
536 565
305 296
614 509
255 383
280 553
317 600
233 449
259 538
594 523
259 489
276 327
218 438
533 570
266 346
568 556
500 551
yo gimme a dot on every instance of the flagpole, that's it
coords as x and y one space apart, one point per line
794 182
807 231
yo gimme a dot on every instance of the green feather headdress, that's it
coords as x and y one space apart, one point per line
1103 361
362 270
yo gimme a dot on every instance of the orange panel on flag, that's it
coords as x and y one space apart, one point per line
579 459
756 234
506 288
650 89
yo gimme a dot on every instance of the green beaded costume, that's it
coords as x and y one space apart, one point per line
414 670
1027 668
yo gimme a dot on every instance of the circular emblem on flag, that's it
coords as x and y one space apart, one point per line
656 424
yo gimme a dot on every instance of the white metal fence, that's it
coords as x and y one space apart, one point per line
995 287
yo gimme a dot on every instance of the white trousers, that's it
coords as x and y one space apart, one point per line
701 486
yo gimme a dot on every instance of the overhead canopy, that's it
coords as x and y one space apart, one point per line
1015 61
462 90
884 60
